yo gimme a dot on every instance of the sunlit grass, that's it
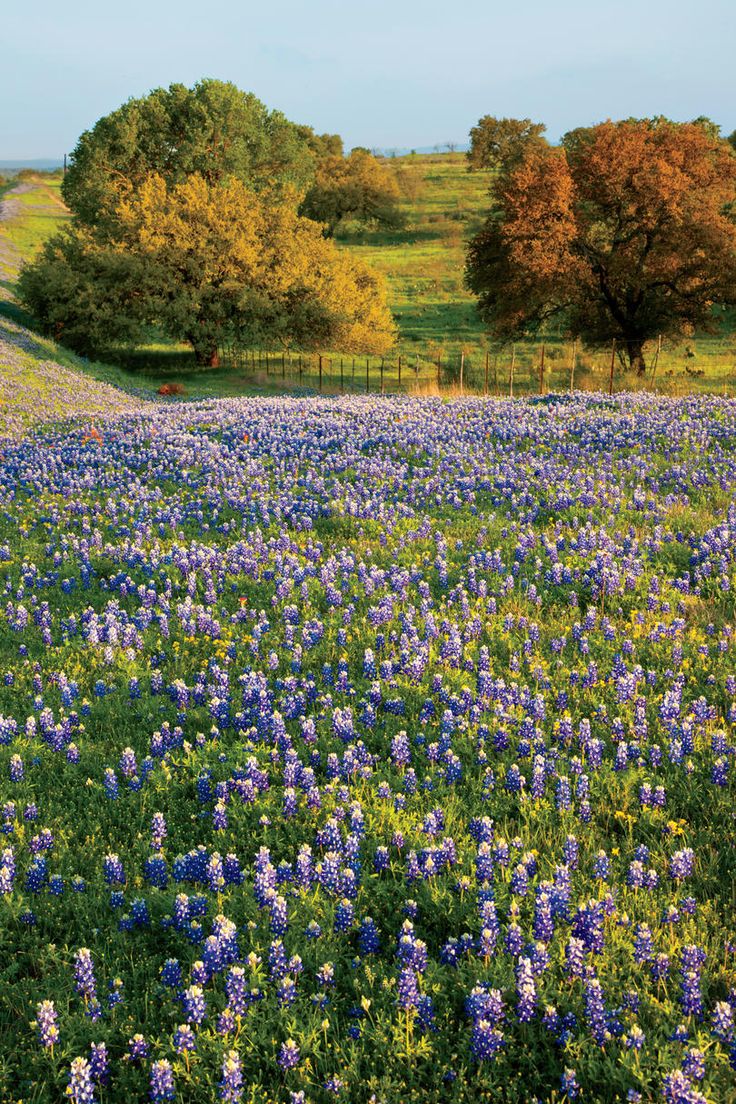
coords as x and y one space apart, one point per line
423 266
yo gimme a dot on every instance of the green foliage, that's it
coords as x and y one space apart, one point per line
83 293
184 218
322 145
210 264
212 129
501 143
356 188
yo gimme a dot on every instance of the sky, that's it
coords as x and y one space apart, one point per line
382 73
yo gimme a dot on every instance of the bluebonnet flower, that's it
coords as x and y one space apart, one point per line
289 1055
195 1006
526 991
231 1084
184 1039
81 1087
46 1017
161 1082
569 1084
137 1048
84 974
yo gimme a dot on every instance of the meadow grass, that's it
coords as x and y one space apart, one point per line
422 264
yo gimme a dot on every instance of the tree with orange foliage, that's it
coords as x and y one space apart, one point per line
625 231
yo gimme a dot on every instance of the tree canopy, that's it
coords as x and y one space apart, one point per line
501 143
625 231
358 187
185 218
209 264
213 129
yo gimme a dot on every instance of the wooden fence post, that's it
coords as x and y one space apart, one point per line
382 385
320 373
613 360
399 373
511 373
485 388
367 375
439 369
462 370
656 356
342 383
572 363
541 372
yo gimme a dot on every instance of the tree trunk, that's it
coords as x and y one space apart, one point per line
635 355
207 358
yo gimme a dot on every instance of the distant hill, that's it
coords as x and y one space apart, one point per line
41 164
440 147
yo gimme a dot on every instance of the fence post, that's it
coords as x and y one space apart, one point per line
485 386
382 387
320 373
367 375
572 363
613 359
439 369
495 375
342 385
462 369
353 371
399 373
541 372
656 356
511 373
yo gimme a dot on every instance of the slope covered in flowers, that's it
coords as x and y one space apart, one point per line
34 388
370 750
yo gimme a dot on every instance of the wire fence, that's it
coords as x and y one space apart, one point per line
522 368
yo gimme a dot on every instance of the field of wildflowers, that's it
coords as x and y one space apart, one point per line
369 750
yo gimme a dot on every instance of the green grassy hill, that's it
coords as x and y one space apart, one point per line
423 265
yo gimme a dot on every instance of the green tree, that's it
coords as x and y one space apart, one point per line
625 231
322 145
213 129
85 294
354 188
501 143
208 263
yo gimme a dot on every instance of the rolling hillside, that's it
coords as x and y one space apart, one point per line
423 266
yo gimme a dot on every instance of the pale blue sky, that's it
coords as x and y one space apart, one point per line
383 73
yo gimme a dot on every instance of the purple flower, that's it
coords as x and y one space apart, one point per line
407 989
569 1084
289 1056
81 1087
485 1041
231 1085
184 1039
195 1006
46 1016
526 991
84 974
161 1082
